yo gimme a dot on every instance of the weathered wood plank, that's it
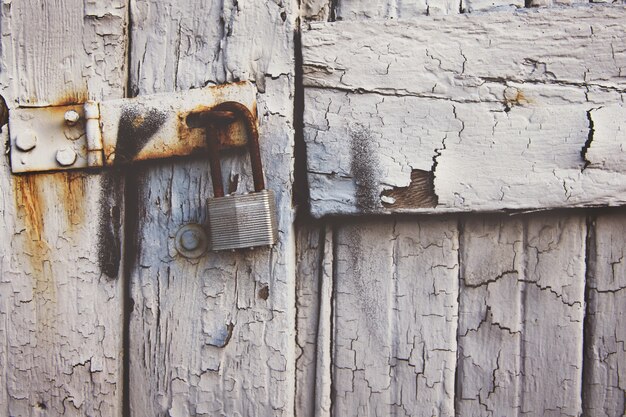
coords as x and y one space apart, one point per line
392 9
316 10
394 353
604 391
60 286
314 286
215 335
490 316
485 118
521 316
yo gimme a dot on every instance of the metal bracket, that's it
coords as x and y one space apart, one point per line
114 132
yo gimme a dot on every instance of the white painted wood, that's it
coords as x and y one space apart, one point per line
606 151
521 316
395 317
469 6
216 335
501 119
393 9
314 285
60 314
316 10
490 316
605 357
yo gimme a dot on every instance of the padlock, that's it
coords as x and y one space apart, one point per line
240 221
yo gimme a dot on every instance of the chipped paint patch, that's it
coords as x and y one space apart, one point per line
420 193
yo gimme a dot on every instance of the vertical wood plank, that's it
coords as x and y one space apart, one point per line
521 315
490 316
395 317
215 335
60 285
604 392
552 337
314 285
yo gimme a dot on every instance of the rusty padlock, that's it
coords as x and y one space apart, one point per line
240 221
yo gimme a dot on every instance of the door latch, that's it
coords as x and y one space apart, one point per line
114 132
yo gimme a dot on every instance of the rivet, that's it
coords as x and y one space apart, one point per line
66 157
26 140
191 241
71 117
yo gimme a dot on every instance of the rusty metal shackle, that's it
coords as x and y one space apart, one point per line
230 111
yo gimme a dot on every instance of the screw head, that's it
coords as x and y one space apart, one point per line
66 157
71 117
191 241
25 141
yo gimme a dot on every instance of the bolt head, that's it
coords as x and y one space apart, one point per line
25 141
191 241
66 157
71 117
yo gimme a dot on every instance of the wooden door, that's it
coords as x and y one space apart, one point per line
99 316
422 311
419 111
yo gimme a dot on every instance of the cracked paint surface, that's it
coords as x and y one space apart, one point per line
60 301
506 119
213 336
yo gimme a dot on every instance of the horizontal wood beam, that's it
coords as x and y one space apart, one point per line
495 112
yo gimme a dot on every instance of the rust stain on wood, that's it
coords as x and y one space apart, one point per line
66 190
419 194
73 197
30 208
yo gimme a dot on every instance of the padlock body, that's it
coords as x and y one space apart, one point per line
242 221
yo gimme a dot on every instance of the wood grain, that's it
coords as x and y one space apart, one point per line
521 315
395 317
60 277
503 121
605 356
215 335
314 286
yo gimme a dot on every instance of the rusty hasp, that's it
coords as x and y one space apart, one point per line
115 132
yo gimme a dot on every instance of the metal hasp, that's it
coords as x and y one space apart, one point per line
115 132
237 221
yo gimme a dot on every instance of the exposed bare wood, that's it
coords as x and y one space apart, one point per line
395 317
604 392
521 316
214 335
501 120
60 286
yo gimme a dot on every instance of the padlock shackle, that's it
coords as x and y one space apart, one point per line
241 112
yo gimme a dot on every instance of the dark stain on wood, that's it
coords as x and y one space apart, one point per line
4 112
419 194
137 126
110 239
365 169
